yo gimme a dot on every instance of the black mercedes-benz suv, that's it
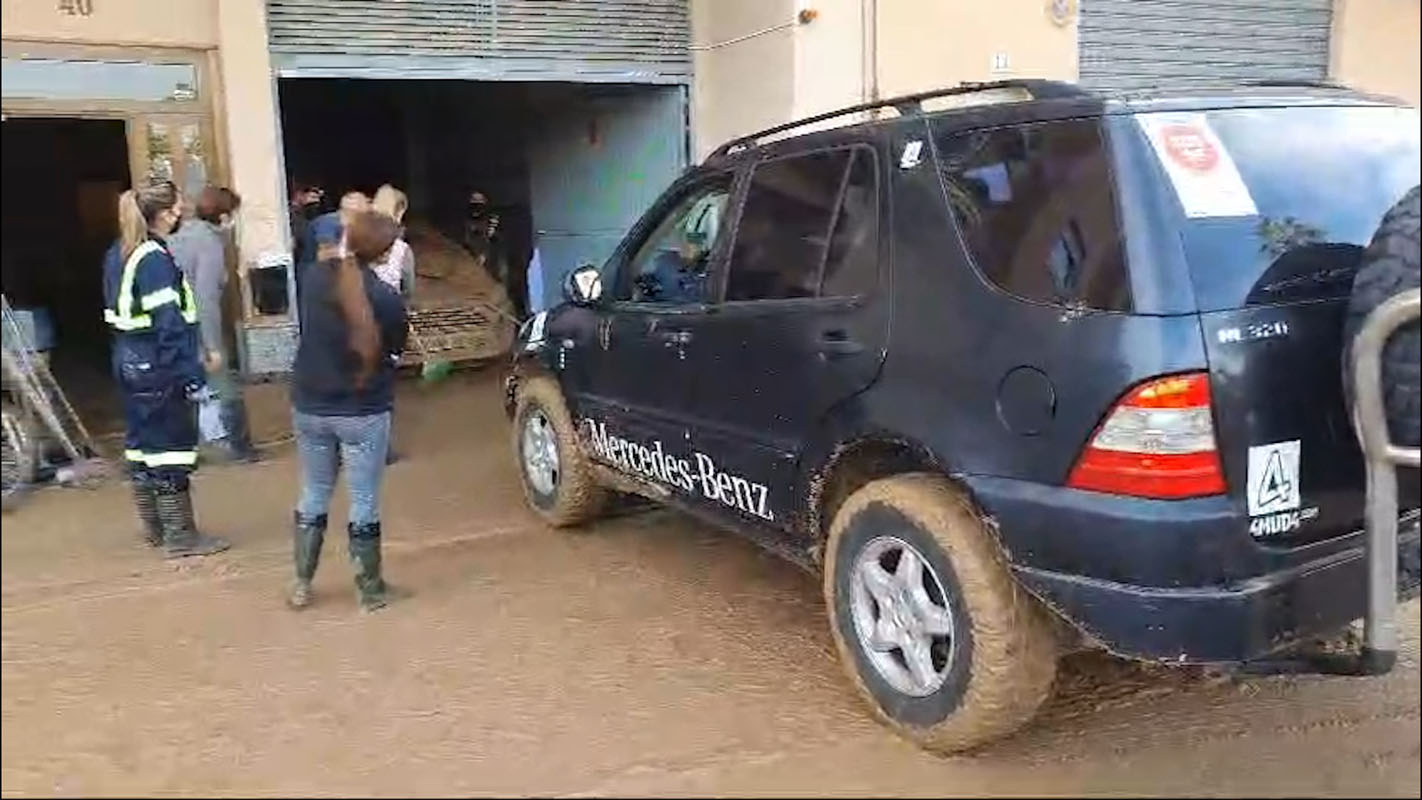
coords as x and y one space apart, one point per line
1013 366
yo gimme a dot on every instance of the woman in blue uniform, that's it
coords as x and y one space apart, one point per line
151 309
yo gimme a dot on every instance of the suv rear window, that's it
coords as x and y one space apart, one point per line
1315 183
1037 211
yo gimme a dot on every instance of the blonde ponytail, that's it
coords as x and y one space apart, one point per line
139 208
132 227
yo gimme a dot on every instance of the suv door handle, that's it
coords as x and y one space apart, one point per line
837 343
675 338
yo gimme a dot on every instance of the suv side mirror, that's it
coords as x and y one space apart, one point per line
583 286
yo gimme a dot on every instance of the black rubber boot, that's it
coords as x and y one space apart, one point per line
308 533
145 499
180 534
365 560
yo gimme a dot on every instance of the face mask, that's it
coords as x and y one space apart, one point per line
177 223
477 209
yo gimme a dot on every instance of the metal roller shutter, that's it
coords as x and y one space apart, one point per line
623 41
1129 44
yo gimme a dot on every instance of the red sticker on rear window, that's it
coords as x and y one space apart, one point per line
1199 165
1189 147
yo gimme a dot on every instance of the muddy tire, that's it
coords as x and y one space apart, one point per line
991 658
556 475
1389 266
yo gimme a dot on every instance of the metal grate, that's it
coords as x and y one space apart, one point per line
1135 44
456 333
627 40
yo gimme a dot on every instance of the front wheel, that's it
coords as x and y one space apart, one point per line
556 474
930 625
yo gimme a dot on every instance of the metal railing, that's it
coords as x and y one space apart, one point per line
1379 651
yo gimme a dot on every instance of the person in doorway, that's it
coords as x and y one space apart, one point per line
305 202
396 269
329 229
151 309
342 391
483 239
481 225
201 252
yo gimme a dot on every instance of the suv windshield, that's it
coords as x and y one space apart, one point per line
1275 205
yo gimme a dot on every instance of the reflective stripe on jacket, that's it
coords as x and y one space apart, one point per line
121 315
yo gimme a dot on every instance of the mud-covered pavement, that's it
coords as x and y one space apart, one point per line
648 655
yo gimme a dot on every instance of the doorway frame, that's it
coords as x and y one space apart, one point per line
135 114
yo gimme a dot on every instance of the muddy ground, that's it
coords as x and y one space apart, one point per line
648 655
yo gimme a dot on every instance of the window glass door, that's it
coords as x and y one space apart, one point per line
174 148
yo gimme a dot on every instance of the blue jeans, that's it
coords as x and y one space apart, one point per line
325 443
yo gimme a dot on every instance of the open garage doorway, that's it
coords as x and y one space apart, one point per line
568 167
62 182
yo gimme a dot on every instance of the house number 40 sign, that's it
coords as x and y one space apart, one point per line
76 8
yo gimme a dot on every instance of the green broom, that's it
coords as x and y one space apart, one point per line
432 370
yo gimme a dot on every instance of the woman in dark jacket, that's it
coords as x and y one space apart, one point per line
353 329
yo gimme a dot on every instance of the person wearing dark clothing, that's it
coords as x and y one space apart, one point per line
484 239
325 229
305 200
328 230
201 252
151 309
343 386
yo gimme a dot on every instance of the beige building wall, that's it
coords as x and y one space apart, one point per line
757 63
926 44
743 57
1375 47
831 57
155 23
249 114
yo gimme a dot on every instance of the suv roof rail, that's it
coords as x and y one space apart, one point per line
1302 83
911 103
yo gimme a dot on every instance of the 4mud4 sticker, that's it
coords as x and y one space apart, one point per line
696 474
1274 494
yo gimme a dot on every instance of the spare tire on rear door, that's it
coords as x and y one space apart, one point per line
1389 266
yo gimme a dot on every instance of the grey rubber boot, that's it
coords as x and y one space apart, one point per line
307 535
180 534
145 500
365 560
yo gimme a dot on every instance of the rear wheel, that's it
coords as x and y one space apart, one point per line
557 476
929 623
1390 266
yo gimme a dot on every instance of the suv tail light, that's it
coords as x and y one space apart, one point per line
1158 442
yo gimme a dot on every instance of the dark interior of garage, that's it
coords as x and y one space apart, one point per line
551 156
61 187
436 140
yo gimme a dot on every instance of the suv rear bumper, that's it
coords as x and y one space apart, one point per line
1228 619
1227 624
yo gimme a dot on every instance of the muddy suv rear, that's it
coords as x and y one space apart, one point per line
1268 211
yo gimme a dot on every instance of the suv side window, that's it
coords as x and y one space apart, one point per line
1037 210
808 228
671 265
